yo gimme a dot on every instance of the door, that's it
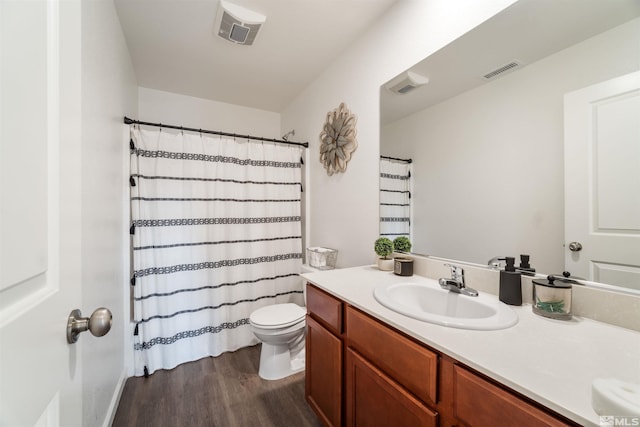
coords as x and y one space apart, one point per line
323 373
602 182
40 378
373 399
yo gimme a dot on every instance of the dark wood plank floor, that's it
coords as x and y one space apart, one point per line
221 391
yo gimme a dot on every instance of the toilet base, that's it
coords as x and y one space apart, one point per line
276 362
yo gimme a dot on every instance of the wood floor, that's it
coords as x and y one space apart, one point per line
221 391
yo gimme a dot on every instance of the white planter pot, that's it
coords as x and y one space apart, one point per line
385 264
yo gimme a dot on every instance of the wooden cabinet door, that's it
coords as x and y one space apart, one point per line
479 403
372 399
405 361
323 382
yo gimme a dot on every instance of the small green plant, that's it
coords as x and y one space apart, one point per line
383 247
402 244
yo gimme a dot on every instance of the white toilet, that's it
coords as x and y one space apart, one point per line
281 328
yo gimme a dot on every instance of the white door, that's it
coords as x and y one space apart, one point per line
40 375
602 182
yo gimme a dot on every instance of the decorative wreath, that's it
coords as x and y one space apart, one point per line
338 139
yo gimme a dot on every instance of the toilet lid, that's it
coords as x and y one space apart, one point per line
277 315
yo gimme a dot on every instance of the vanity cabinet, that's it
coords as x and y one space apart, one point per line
362 372
324 350
374 399
407 362
479 402
389 380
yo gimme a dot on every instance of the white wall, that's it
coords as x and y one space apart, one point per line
182 110
343 210
489 163
109 91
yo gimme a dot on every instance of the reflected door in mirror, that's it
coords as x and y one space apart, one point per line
602 181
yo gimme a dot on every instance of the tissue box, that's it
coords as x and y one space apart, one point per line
322 258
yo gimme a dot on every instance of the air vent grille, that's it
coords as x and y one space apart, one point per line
406 88
502 70
238 32
238 25
406 82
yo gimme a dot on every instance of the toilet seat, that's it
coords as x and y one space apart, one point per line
277 316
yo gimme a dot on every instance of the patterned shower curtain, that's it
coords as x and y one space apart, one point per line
395 198
216 234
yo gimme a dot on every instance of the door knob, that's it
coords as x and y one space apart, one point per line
99 324
575 246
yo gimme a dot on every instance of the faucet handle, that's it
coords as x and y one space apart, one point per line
457 273
453 267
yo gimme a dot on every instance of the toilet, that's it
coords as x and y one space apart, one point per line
281 329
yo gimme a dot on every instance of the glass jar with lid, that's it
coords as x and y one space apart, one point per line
552 297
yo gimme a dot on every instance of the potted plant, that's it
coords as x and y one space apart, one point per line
403 266
384 248
401 244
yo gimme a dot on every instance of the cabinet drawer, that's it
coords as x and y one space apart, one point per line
478 402
373 399
325 308
407 362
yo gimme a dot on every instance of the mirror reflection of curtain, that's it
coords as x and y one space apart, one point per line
395 198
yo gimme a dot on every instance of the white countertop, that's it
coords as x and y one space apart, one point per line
551 361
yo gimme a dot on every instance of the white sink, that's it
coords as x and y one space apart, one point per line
610 396
430 303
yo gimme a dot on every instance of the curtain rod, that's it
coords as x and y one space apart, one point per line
395 158
128 121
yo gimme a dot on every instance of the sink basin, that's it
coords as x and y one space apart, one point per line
612 396
430 303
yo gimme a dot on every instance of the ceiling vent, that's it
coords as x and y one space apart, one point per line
406 82
501 71
237 24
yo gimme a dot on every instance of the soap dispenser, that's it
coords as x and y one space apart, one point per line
525 267
510 285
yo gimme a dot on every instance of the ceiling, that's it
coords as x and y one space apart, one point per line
527 31
174 46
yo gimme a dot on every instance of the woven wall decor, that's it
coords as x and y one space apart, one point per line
338 139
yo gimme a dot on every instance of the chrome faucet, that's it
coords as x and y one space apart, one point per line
495 262
456 282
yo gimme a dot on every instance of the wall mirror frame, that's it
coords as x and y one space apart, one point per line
488 155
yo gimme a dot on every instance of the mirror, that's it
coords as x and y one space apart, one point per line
488 152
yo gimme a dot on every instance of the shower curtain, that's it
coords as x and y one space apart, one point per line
216 234
395 198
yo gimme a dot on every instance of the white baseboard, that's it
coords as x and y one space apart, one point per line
115 400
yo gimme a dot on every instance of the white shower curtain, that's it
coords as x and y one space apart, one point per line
395 198
216 235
